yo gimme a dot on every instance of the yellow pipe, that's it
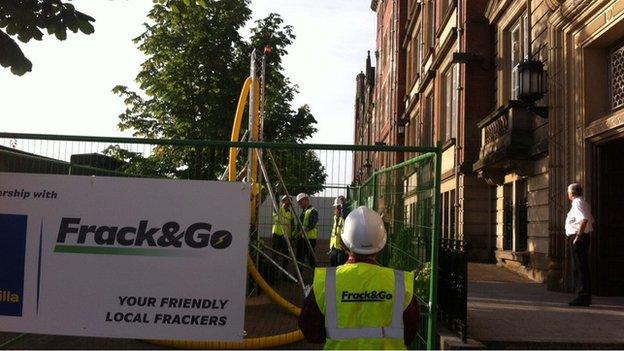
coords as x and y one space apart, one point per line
273 295
238 119
232 178
247 344
251 343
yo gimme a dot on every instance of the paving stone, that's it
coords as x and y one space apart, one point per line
505 308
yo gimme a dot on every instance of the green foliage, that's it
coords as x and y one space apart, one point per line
423 280
136 164
301 171
403 250
26 19
197 63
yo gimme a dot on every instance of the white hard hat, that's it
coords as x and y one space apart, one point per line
284 197
301 196
364 232
339 200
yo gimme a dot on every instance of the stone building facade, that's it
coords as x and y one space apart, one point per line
506 163
514 150
586 131
531 159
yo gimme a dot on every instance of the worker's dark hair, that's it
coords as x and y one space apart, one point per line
360 257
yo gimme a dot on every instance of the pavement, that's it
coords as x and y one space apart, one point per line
508 311
505 311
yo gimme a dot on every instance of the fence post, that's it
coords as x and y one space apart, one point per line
433 287
374 191
359 196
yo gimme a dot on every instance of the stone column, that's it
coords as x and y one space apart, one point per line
564 122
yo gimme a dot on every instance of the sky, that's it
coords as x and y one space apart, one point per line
69 89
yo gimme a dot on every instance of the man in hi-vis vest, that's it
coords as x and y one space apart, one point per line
337 255
361 305
282 226
309 218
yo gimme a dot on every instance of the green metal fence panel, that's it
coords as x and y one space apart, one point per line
406 195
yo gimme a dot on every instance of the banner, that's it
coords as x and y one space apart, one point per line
123 257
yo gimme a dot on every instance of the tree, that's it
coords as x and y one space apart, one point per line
197 63
26 18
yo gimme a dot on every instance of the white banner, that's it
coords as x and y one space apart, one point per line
123 257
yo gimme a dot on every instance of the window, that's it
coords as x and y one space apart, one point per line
411 5
410 65
427 129
522 219
418 53
387 107
616 78
518 50
515 216
444 215
385 49
508 216
432 27
450 103
413 55
415 127
448 214
445 5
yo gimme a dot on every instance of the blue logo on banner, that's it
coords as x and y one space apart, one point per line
12 258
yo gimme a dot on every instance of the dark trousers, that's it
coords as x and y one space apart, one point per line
580 252
337 257
303 251
279 245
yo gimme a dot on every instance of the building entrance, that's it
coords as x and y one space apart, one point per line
609 238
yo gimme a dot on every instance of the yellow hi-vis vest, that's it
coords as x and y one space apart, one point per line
363 305
335 241
281 228
312 233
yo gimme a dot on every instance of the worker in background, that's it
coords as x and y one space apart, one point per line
282 226
309 220
337 254
361 305
344 209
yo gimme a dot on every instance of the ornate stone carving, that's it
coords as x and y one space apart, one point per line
597 128
493 177
571 8
554 4
496 129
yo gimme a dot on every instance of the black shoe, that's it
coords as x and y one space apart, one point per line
581 301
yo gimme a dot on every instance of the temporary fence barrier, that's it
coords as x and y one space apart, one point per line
406 195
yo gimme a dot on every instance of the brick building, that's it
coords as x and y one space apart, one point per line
460 81
428 89
380 91
364 111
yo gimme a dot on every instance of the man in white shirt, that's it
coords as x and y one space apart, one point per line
579 223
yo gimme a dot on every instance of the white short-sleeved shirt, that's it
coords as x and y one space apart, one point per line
578 212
